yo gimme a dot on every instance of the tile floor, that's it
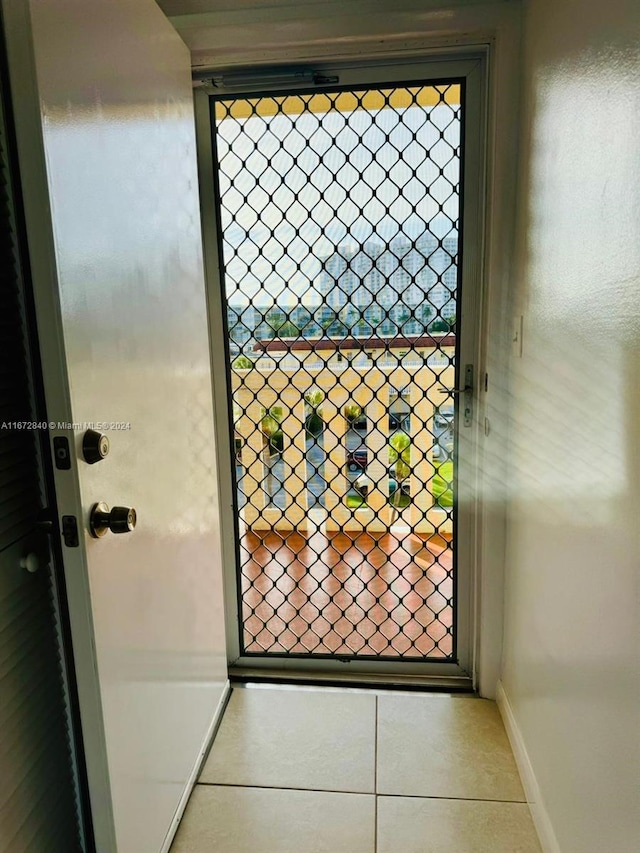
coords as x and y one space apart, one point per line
320 770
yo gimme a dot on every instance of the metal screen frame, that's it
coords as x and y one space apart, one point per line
471 71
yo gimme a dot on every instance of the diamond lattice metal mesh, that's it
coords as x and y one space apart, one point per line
339 216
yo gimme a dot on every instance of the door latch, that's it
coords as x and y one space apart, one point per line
465 394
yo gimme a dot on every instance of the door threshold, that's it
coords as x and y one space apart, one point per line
382 681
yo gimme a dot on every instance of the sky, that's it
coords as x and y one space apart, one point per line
295 187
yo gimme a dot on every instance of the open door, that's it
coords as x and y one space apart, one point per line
104 119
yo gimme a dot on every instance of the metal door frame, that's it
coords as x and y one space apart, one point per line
471 67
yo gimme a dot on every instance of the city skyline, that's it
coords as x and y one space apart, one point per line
363 290
399 246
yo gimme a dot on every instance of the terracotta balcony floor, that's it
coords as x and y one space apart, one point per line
343 594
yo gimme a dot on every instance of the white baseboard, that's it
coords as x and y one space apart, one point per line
541 820
197 767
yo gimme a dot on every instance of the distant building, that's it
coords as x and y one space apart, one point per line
389 290
363 291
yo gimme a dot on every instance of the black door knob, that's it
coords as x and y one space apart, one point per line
120 519
95 446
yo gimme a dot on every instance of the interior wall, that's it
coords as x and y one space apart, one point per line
570 669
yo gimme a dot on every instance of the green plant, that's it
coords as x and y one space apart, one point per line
426 312
288 330
326 322
314 423
314 398
280 325
352 412
271 429
242 362
401 470
275 319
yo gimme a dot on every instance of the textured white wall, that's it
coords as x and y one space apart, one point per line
572 626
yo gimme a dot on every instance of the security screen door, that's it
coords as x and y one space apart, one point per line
350 338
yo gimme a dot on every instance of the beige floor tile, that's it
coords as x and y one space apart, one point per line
435 746
454 826
311 739
261 820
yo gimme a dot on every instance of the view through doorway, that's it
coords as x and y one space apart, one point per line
340 228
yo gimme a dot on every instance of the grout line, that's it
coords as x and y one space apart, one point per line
357 793
286 788
375 782
455 799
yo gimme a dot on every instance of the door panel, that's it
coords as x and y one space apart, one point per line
117 136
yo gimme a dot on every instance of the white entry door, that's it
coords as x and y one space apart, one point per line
104 116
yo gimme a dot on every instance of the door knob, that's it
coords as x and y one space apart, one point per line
30 562
120 519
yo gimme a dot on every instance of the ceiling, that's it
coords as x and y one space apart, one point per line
231 33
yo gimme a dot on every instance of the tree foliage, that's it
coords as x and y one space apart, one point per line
439 325
279 324
400 453
443 324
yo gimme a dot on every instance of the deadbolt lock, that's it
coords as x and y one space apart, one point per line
120 519
95 446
